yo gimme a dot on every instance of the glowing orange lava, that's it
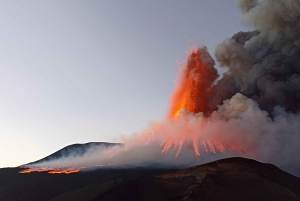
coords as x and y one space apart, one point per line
194 84
56 170
191 94
30 169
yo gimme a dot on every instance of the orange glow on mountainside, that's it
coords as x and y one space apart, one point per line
30 169
56 170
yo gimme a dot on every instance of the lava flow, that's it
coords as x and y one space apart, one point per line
30 169
57 170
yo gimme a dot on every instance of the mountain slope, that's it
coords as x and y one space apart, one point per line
78 149
228 179
43 186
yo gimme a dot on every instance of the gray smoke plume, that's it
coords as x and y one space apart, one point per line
264 64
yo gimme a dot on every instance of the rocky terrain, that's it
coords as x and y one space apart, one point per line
226 179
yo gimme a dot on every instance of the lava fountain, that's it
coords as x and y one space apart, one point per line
192 95
194 85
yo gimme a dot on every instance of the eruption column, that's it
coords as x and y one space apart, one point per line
195 81
192 94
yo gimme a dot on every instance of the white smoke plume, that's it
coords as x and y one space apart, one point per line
238 121
255 105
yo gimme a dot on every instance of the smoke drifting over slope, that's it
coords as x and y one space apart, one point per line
252 111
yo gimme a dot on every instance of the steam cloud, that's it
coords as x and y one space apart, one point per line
255 105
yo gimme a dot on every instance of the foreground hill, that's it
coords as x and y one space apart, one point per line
43 186
227 179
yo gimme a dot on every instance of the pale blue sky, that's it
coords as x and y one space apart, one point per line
77 71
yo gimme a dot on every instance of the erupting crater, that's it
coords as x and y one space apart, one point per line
192 96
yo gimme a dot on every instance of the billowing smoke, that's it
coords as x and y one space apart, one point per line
253 111
264 64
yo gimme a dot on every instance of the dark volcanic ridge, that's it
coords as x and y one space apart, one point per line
226 179
77 150
43 186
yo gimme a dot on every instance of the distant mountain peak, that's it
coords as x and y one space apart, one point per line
74 149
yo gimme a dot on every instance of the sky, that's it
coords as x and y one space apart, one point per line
80 71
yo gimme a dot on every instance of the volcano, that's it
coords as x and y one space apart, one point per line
251 111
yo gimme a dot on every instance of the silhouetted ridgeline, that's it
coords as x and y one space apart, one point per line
75 150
